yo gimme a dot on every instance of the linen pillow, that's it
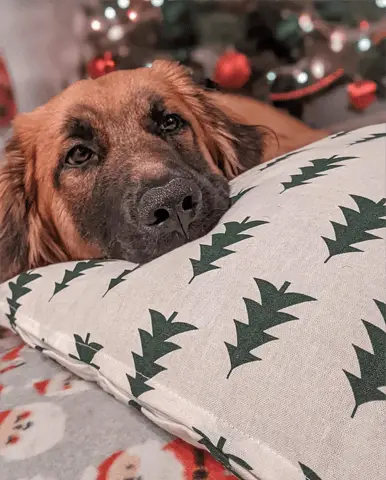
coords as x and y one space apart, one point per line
264 341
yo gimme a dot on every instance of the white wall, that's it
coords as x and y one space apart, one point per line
37 41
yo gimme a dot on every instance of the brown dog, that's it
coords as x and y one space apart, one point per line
129 166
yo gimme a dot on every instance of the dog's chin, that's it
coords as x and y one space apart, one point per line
148 247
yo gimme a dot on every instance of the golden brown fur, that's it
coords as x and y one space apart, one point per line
37 225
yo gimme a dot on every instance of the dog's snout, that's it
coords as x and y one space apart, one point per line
172 206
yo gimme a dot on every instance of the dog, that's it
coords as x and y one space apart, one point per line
129 166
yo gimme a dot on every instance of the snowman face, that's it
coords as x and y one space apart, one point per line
125 467
13 426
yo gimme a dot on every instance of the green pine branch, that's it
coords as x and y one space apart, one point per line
366 387
217 250
239 195
155 346
284 157
340 134
114 282
261 317
308 473
19 289
319 166
217 452
373 136
369 217
86 350
76 272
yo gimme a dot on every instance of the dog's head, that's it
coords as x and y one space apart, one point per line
128 166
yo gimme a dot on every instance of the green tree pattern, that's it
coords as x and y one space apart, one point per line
339 134
211 253
319 165
76 272
369 217
308 473
155 346
373 136
262 316
372 365
118 280
239 195
86 350
217 452
19 289
284 157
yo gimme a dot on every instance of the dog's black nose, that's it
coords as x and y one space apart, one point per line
172 207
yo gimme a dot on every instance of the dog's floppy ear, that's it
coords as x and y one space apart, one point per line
234 146
26 241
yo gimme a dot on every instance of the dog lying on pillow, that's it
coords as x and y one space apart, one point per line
129 166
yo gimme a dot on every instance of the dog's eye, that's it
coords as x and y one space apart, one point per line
171 123
79 155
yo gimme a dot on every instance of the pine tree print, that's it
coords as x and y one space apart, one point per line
155 346
76 272
373 136
339 134
284 157
86 350
366 388
19 289
239 195
319 165
211 253
262 316
118 280
308 473
369 217
217 452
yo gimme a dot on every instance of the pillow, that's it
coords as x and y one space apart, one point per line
265 340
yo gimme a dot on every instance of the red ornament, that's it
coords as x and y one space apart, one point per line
233 70
99 66
362 93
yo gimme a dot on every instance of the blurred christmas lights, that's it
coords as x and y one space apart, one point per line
306 23
132 15
123 3
302 77
380 3
337 41
110 13
318 69
115 33
364 44
96 25
271 76
157 3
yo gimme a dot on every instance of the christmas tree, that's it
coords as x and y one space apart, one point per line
18 289
284 51
369 217
262 316
86 350
217 250
367 386
154 346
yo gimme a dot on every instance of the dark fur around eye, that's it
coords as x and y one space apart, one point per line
79 156
162 122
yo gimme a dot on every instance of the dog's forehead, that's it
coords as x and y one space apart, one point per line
118 92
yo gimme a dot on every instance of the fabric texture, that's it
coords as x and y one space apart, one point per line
264 341
56 426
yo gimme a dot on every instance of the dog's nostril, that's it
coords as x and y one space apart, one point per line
188 203
160 216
